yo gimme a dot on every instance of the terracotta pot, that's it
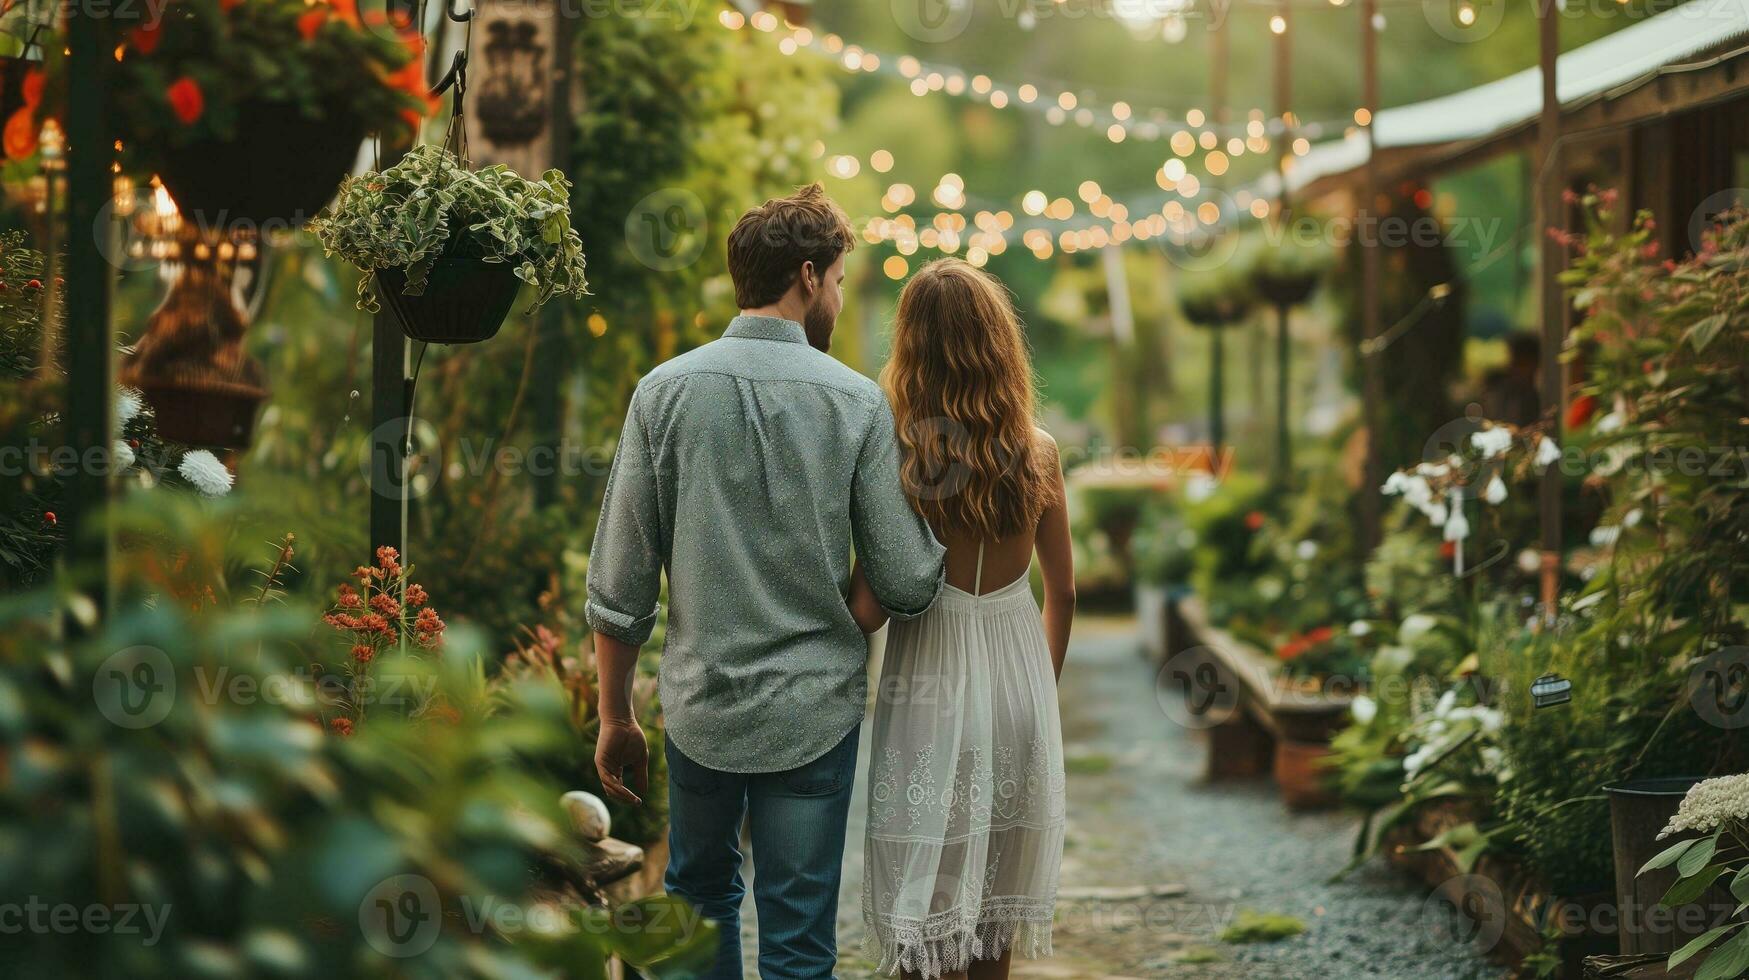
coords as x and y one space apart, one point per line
1301 774
465 300
279 170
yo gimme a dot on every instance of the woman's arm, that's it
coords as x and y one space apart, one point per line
1056 559
864 607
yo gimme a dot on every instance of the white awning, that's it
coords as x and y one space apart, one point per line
1631 54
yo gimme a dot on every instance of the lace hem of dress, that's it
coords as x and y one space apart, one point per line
945 943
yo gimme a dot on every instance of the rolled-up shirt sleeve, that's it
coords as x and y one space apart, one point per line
903 561
625 560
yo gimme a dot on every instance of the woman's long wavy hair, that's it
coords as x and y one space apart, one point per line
961 383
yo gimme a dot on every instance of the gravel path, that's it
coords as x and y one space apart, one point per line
1140 816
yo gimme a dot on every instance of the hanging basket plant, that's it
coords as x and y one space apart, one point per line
448 248
1289 268
1222 293
190 363
251 111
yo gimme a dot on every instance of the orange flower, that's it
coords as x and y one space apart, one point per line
1254 520
33 88
389 560
20 134
228 5
1321 634
416 596
342 727
311 21
347 10
186 100
1580 411
363 653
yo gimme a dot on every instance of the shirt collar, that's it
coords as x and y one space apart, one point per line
767 328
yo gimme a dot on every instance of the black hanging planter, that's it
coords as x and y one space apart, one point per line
465 301
279 170
1286 288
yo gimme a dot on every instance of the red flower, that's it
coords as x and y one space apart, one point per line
1580 411
32 88
342 727
228 5
146 38
1254 520
1292 648
363 653
1320 634
311 21
416 596
186 100
35 284
50 518
1448 550
389 560
384 603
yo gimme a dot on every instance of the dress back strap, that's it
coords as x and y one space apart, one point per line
978 577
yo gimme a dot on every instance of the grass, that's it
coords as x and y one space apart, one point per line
1261 927
1197 954
1091 764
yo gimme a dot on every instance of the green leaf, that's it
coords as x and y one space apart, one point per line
1699 943
1698 856
1740 884
1689 889
1668 856
1703 332
1728 961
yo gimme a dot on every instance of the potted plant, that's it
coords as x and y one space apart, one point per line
253 111
448 248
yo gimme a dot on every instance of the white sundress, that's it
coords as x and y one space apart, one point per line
966 785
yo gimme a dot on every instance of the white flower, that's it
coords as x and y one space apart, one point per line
1359 627
1306 550
1394 484
1547 453
1495 491
1416 492
1529 560
1492 442
1632 517
1200 487
1605 535
1710 804
122 456
1457 526
1447 701
1365 709
1434 470
1436 513
1610 422
128 403
205 472
1415 626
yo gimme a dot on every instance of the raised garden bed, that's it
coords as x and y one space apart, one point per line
1259 718
1514 916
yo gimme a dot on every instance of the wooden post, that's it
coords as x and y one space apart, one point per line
1283 224
90 346
1372 380
1217 339
1549 181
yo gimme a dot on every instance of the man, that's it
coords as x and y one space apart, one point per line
747 468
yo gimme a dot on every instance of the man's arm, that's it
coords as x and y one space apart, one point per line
900 557
625 579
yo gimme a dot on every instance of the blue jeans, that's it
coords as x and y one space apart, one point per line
797 819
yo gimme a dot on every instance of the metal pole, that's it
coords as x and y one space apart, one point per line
1549 180
1372 378
90 348
550 366
389 423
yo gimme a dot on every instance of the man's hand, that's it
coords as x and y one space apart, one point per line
620 748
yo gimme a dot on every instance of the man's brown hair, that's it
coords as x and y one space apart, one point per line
770 243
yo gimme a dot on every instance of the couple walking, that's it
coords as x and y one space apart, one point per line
748 469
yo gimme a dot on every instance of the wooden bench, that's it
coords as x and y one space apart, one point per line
1271 722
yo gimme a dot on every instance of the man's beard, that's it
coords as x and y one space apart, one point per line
817 323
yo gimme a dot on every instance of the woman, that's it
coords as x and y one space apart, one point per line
965 815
